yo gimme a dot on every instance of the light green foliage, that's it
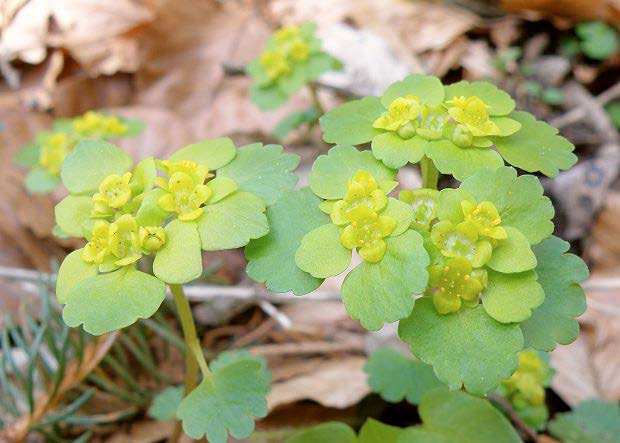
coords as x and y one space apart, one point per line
40 181
593 421
330 432
559 274
598 40
165 403
510 298
179 260
72 213
72 271
226 399
351 123
215 153
397 377
613 109
291 59
374 431
295 120
321 253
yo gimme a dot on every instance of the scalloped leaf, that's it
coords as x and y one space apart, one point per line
559 274
351 123
107 302
500 102
426 87
330 432
395 152
510 298
165 404
271 259
40 181
330 174
374 431
262 170
401 212
512 254
461 162
266 98
149 213
593 421
382 292
180 259
232 222
321 253
467 348
395 376
226 401
214 153
72 212
519 200
536 147
72 271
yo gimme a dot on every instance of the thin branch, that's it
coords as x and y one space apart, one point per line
514 417
578 113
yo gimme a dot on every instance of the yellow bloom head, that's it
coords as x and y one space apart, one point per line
484 218
152 238
473 114
400 113
454 284
98 247
287 33
186 191
54 150
124 240
114 193
363 190
275 64
526 386
95 124
366 232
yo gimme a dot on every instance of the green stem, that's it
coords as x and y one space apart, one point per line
430 174
315 98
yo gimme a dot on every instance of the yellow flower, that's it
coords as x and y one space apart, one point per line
298 50
454 284
484 218
287 33
186 191
473 113
432 121
401 112
424 204
97 248
526 386
151 238
54 150
95 124
124 242
114 192
363 190
461 241
366 232
274 64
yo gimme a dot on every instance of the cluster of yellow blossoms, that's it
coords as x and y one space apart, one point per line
95 124
289 47
526 386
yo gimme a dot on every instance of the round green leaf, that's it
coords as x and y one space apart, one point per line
107 302
40 181
262 170
466 348
461 162
593 421
513 254
536 147
90 162
271 259
214 153
382 292
330 432
149 213
559 274
165 403
499 101
72 212
510 298
267 98
401 212
426 87
331 173
519 200
180 259
232 222
319 63
28 155
395 376
294 81
221 187
351 123
507 126
449 204
143 175
374 431
321 253
395 152
72 271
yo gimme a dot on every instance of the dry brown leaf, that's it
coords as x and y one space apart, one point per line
339 383
607 10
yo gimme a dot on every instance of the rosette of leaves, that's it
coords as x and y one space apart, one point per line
593 421
525 389
347 208
291 59
45 155
461 127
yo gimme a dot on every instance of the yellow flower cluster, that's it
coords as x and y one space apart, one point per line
54 150
289 47
526 386
95 124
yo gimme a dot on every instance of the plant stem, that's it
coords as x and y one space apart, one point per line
430 174
315 98
514 417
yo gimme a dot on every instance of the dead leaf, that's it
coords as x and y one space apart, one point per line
579 10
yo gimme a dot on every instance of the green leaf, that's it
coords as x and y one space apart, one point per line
330 432
534 416
72 212
321 253
461 162
180 259
293 82
221 187
456 417
374 431
593 421
378 293
90 162
165 403
559 274
319 63
510 298
214 153
395 376
330 174
232 222
351 123
598 40
40 181
262 170
513 254
295 120
401 212
28 155
267 98
107 302
150 214
426 87
449 204
507 126
395 152
519 200
134 126
536 147
499 101
72 271
225 401
465 348
271 259
143 176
